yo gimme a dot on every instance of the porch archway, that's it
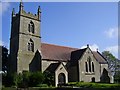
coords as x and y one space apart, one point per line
61 78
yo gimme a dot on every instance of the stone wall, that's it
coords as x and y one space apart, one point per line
73 73
25 56
87 76
61 69
46 63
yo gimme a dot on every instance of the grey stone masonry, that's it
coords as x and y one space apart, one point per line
22 51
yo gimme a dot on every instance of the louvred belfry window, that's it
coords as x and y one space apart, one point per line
31 27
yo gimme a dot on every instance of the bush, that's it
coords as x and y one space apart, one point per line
36 78
28 79
117 77
42 85
94 85
24 79
17 79
49 78
8 80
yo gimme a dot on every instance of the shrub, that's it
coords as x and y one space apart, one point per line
117 77
94 85
42 85
36 78
49 78
26 78
8 79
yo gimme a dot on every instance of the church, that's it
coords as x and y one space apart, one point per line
28 53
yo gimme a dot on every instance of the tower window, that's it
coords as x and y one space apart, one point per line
31 45
31 27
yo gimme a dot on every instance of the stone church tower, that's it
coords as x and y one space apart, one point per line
25 39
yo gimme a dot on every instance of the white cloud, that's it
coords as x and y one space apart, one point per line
4 6
113 50
93 47
112 32
1 43
4 44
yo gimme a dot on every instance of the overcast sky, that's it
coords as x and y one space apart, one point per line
71 24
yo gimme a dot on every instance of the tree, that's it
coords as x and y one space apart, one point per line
113 65
8 79
117 72
4 58
111 60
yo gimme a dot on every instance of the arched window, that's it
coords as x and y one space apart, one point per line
31 27
93 67
89 62
86 66
31 45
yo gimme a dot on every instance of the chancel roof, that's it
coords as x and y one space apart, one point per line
99 57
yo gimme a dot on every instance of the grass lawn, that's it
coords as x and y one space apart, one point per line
94 85
80 85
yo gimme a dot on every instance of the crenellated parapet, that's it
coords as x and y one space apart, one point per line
30 15
23 13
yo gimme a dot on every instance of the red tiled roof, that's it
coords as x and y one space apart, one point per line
99 57
55 52
62 53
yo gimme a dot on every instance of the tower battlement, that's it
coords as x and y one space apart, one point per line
29 15
23 13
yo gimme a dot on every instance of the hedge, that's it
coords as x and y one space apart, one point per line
93 85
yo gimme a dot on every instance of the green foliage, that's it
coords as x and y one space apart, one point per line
111 60
8 80
49 78
24 79
117 77
28 79
11 79
42 85
36 78
108 55
4 58
94 85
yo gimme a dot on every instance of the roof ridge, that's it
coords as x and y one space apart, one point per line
60 46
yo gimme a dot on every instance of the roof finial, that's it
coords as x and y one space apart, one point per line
38 9
21 5
38 12
13 12
97 49
87 45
